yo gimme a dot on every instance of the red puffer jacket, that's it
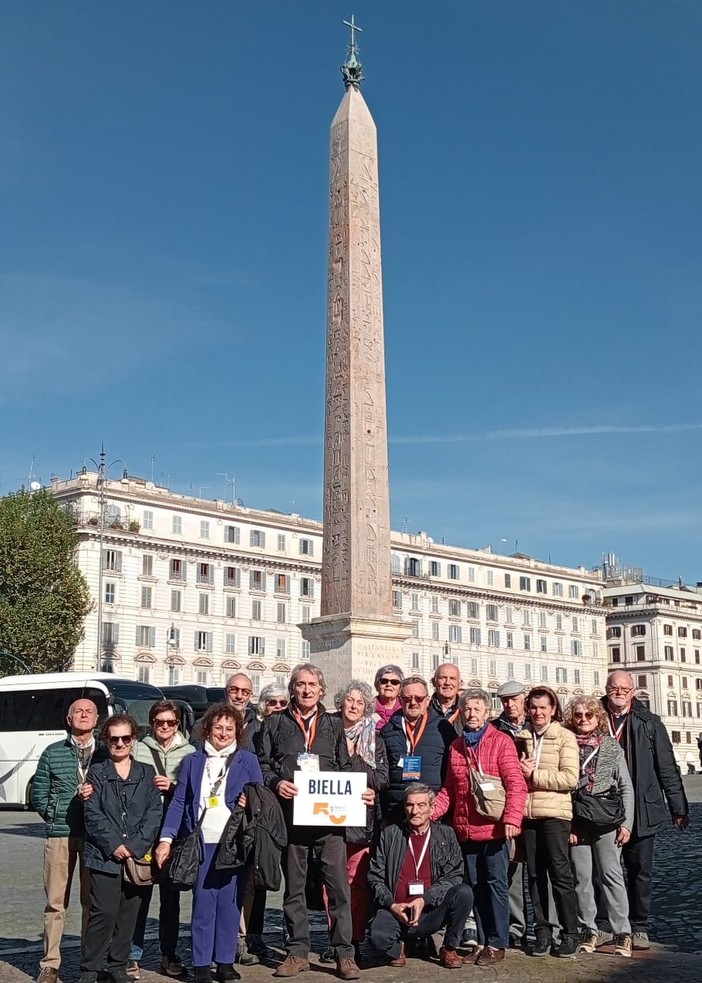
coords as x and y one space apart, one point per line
498 756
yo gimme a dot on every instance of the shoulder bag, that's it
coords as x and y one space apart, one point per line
140 871
598 813
488 793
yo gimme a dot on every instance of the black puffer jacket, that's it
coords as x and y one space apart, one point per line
386 865
433 749
653 769
281 740
377 778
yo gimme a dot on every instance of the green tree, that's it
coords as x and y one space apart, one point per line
43 595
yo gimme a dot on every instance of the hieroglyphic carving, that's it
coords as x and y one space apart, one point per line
356 552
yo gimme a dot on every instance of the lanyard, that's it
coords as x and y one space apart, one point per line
83 771
538 747
616 731
418 863
308 727
214 789
454 716
474 759
414 734
587 760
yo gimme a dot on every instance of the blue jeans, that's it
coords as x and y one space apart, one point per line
487 862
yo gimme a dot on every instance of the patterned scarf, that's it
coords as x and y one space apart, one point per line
472 737
362 737
587 743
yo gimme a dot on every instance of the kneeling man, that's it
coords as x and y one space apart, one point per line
416 879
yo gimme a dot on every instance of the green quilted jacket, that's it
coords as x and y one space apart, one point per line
54 789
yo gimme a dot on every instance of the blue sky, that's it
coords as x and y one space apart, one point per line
163 187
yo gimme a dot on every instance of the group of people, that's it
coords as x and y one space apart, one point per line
459 807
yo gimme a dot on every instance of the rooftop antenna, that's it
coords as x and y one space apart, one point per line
405 523
34 485
229 482
153 461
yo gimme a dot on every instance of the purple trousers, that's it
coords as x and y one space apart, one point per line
217 898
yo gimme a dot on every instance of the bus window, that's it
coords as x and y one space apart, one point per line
44 710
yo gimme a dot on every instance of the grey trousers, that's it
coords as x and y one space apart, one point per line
517 908
607 857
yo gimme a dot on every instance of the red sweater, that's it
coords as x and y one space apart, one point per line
498 756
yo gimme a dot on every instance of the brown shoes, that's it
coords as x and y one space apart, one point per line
449 958
400 960
48 975
294 965
490 956
346 969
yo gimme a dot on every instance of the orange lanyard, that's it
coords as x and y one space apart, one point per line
414 735
454 716
310 734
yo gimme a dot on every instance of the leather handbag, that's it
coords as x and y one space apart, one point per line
186 857
488 793
140 871
598 813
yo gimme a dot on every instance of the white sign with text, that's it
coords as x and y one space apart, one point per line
329 798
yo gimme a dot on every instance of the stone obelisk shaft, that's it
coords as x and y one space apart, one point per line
356 554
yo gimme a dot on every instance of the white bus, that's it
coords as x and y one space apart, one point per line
33 712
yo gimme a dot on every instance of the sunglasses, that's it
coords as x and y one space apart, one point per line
413 699
276 703
116 741
587 715
388 682
165 722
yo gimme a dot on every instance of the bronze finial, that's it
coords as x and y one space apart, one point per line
352 70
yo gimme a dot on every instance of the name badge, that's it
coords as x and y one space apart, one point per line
416 888
487 786
308 762
412 768
213 802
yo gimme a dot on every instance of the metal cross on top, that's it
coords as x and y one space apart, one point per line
352 70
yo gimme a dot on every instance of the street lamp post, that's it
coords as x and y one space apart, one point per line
171 645
103 471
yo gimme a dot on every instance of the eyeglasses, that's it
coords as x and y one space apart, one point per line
587 715
239 689
388 682
116 741
620 689
413 699
165 722
276 703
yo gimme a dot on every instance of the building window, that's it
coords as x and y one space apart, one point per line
230 607
454 608
697 634
281 542
673 709
683 656
257 538
395 564
473 610
204 529
573 592
510 640
177 570
173 675
280 654
576 647
527 671
541 587
493 638
682 632
143 674
697 657
559 644
683 682
281 612
455 634
305 649
614 632
596 677
147 519
526 616
543 643
145 636
491 612
559 622
415 660
561 675
557 589
110 632
508 580
640 651
257 580
670 682
510 670
257 645
177 525
637 631
615 654
415 629
306 547
508 616
471 575
576 677
306 587
525 583
305 613
203 603
527 643
544 674
112 560
434 568
434 603
453 571
413 566
231 534
205 573
230 643
203 641
668 653
435 630
146 597
110 593
490 578
397 600
202 677
667 629
492 668
255 610
576 624
542 619
281 583
232 577
147 565
474 636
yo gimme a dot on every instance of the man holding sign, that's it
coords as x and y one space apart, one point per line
306 740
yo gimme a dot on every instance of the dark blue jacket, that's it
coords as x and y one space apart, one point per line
181 816
433 748
120 812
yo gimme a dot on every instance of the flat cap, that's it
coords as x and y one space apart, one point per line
511 688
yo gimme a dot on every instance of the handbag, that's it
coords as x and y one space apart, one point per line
488 793
185 859
598 812
140 871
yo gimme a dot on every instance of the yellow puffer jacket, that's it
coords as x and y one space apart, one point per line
556 776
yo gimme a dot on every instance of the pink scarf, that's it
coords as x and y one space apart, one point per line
385 712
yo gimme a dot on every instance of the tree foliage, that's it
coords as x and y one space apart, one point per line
43 595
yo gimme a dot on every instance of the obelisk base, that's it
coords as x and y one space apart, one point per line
347 648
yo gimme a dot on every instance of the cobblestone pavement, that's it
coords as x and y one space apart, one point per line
677 908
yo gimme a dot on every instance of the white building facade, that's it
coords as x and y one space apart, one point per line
189 591
655 633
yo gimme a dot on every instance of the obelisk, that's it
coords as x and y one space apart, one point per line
356 631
